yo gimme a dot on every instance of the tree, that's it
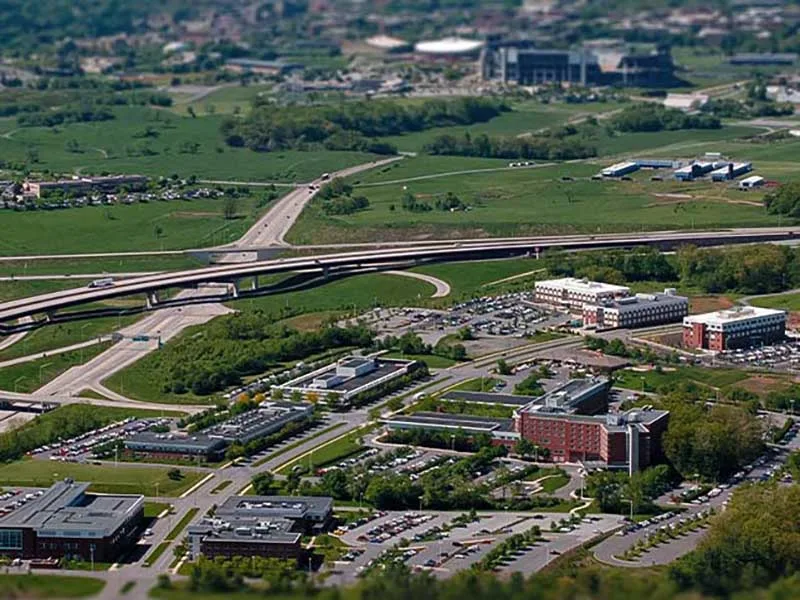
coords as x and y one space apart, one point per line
503 368
175 474
263 483
524 448
229 207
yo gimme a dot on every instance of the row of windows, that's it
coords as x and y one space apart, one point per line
10 539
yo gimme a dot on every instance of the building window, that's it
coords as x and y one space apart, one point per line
10 539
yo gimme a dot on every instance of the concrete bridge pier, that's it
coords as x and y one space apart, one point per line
152 299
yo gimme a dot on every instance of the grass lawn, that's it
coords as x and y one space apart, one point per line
60 335
479 384
432 360
790 302
221 486
654 380
223 101
515 202
12 290
558 480
155 554
116 146
96 266
49 586
294 445
329 453
170 225
347 295
181 525
153 509
467 279
123 479
180 591
30 376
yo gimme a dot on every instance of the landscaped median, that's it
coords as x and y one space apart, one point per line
667 534
333 451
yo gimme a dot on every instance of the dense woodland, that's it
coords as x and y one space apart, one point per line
351 125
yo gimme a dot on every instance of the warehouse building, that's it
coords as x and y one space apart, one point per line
641 310
67 522
346 378
698 169
731 171
620 169
266 526
752 182
573 293
734 328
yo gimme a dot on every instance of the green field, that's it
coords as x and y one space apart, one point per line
790 302
466 279
105 147
11 290
652 381
122 479
526 117
49 586
153 509
224 100
534 201
119 228
30 376
60 335
432 360
97 266
332 452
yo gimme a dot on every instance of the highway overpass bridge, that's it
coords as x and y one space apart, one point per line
312 270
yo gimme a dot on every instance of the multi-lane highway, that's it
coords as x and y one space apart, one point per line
384 258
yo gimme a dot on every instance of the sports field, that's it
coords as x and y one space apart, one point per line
530 201
121 479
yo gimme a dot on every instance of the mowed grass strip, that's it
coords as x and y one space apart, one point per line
49 586
30 376
120 479
185 520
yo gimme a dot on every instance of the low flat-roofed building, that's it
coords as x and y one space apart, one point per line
573 293
269 418
106 183
347 377
740 327
68 522
229 537
641 310
308 513
200 447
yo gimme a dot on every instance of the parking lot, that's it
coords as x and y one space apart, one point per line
785 355
444 543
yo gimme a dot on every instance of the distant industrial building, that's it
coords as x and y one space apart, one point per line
620 169
573 293
521 62
731 171
67 522
262 67
449 48
641 310
210 444
764 59
347 378
734 328
749 183
569 422
266 526
697 169
387 43
82 185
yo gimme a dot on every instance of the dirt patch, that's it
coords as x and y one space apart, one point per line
703 304
309 322
763 384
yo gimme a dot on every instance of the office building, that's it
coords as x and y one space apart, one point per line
171 446
266 526
734 328
270 417
522 63
346 378
573 293
67 522
641 310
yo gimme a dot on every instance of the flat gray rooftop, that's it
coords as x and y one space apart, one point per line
469 423
66 509
383 369
287 507
487 398
191 443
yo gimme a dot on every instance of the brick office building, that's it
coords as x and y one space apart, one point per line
67 522
640 310
734 328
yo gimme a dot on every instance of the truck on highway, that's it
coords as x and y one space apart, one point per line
103 282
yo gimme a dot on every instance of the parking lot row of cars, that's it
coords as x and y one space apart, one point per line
18 500
395 527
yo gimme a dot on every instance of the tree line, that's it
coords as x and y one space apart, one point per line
649 116
351 125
